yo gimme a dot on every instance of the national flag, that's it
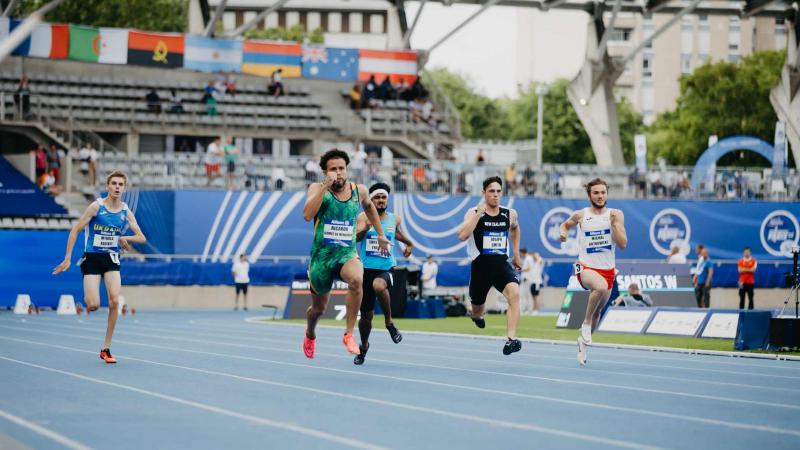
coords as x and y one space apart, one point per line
264 57
155 49
212 55
6 27
101 45
50 40
327 63
395 64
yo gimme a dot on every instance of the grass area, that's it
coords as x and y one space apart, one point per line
544 327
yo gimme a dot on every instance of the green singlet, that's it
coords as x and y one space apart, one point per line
334 239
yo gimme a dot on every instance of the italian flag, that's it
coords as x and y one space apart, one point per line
100 45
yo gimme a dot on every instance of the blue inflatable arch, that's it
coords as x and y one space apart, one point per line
712 154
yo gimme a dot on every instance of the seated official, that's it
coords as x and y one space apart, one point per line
634 298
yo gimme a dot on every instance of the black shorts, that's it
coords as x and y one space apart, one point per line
368 298
99 263
535 289
231 166
241 287
488 273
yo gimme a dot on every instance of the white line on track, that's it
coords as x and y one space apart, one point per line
338 439
206 407
262 338
487 372
638 411
42 431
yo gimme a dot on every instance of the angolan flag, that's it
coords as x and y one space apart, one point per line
101 45
155 49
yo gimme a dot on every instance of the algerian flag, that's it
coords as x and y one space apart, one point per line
102 45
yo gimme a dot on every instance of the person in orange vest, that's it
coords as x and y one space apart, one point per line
747 271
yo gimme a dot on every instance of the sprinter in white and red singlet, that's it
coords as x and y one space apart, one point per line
600 231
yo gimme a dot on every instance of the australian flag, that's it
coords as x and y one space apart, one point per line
326 63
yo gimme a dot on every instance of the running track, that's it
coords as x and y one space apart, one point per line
210 380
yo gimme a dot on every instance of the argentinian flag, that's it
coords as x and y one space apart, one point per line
212 55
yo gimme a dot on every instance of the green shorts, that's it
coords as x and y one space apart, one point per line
325 268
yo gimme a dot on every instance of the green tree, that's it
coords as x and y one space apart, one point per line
296 33
151 15
723 99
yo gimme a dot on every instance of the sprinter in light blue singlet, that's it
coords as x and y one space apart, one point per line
378 266
103 223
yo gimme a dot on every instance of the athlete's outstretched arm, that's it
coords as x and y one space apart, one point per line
401 237
373 216
138 236
618 228
515 235
314 200
73 235
573 220
471 221
362 226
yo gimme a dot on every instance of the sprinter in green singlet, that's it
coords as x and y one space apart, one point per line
334 206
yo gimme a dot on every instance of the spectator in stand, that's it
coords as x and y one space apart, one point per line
275 87
427 113
702 279
429 272
529 179
511 179
420 179
654 180
747 277
54 155
675 256
417 90
415 110
385 90
634 298
230 84
279 177
219 82
88 163
175 102
312 171
355 98
210 98
253 176
153 101
49 184
22 97
231 153
401 88
637 181
40 160
212 160
358 164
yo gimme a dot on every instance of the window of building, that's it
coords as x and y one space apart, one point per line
733 57
249 15
334 22
292 18
686 63
376 23
313 21
229 20
271 20
734 24
647 65
356 23
620 34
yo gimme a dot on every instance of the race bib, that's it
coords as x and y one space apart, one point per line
598 241
372 249
338 232
495 242
102 241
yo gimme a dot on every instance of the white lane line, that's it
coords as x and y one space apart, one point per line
401 352
487 372
205 407
42 431
327 392
361 374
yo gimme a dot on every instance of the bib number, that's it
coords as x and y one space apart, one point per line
495 242
104 241
373 249
577 268
338 232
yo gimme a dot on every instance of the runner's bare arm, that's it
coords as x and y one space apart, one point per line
470 222
90 212
138 236
573 220
313 200
618 228
515 235
401 237
362 226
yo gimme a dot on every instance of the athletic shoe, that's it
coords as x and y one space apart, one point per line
583 349
105 355
359 359
511 346
396 336
308 346
350 343
480 322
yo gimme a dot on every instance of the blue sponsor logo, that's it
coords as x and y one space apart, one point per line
668 228
779 233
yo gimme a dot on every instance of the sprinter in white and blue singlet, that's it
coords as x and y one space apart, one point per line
488 228
378 266
600 231
104 221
